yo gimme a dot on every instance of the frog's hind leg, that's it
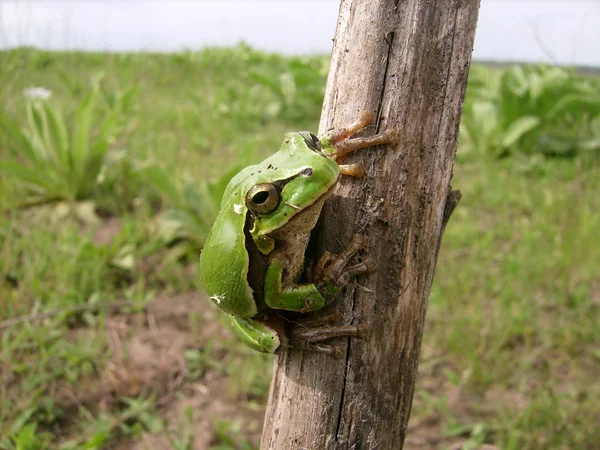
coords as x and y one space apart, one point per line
312 338
333 268
256 335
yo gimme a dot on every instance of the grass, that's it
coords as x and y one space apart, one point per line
511 349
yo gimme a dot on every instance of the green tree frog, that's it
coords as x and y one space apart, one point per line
253 262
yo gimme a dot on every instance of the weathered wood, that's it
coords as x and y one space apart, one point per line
407 61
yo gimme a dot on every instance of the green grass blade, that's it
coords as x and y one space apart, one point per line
162 183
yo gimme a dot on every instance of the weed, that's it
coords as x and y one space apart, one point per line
54 163
530 109
512 318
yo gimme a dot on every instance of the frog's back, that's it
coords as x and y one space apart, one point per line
224 262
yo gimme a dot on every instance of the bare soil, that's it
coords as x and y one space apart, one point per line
147 358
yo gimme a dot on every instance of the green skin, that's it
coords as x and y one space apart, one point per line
309 174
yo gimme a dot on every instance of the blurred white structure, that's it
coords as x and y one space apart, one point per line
553 31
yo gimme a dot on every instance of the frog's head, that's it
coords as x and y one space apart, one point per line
286 184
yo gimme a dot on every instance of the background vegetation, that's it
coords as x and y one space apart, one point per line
109 186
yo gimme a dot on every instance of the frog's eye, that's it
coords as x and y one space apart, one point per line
262 198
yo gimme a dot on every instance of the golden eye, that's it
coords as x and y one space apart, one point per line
262 198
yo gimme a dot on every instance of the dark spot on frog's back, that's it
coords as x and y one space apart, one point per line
311 141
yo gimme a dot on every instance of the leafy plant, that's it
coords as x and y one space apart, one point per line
192 207
530 109
228 436
275 88
55 162
295 89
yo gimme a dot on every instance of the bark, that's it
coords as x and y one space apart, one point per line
407 62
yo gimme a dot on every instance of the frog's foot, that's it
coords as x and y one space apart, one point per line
342 145
351 145
344 133
312 338
334 268
258 335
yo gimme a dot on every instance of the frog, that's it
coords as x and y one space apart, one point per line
254 265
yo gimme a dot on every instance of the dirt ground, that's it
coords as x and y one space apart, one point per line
148 358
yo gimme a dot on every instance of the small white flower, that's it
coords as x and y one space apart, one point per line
237 208
37 93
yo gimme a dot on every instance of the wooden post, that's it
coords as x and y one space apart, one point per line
407 62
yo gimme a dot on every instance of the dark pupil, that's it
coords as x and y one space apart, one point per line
260 197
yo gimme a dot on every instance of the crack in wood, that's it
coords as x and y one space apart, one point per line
407 62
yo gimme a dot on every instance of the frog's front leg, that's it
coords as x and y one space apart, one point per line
342 145
351 145
302 298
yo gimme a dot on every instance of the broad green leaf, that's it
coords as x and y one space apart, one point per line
25 174
125 258
51 143
575 104
110 124
547 80
83 120
269 82
288 88
518 128
35 132
180 224
595 126
162 183
216 188
20 145
590 144
58 135
91 169
194 200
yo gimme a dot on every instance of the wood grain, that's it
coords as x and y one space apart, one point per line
407 62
